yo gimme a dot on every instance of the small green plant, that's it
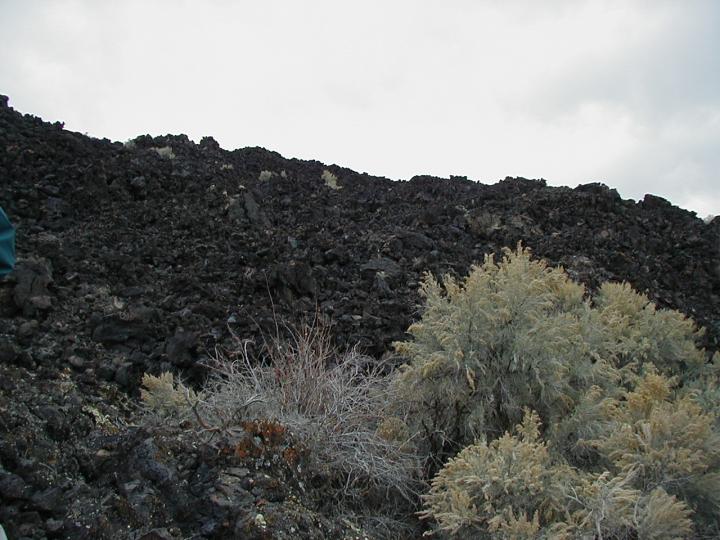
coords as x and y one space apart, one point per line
330 180
164 397
267 175
164 152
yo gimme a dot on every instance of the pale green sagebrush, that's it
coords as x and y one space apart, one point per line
628 403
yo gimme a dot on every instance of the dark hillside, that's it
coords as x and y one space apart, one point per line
144 256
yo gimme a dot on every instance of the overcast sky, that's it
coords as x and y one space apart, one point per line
623 92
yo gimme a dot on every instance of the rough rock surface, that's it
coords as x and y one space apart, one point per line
145 256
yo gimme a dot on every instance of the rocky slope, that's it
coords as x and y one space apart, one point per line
148 256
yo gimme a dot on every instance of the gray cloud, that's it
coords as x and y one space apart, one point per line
675 68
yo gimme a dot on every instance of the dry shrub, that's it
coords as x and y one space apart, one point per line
333 403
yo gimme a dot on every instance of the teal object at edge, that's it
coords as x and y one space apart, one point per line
7 245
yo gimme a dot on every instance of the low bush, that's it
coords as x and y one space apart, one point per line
660 481
510 336
664 440
504 488
627 401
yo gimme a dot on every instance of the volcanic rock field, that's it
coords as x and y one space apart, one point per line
151 255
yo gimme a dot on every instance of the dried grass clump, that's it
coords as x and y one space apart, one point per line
333 403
